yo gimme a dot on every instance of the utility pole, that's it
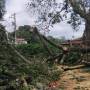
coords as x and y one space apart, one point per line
14 24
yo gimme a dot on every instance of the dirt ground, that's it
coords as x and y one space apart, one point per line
78 79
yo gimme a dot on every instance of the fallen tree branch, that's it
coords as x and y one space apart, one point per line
74 67
47 40
21 56
82 50
54 57
86 63
53 44
62 59
42 40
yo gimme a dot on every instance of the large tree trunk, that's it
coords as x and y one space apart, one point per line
86 35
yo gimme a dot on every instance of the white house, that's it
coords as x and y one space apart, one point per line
20 41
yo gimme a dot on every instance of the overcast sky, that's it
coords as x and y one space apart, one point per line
23 18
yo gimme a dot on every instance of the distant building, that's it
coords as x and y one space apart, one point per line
74 42
20 41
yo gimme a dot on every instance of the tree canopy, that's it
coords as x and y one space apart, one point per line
52 9
49 12
2 8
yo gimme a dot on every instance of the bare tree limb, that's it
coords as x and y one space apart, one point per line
74 67
54 57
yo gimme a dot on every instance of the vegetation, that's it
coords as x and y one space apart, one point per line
53 12
25 66
34 49
13 68
2 8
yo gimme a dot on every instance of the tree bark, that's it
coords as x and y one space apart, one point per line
86 35
73 67
82 12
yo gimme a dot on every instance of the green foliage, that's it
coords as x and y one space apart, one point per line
72 58
24 32
35 49
38 70
41 72
55 75
31 49
12 66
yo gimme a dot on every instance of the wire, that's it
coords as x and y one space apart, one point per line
19 12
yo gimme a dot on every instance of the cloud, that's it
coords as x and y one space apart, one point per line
23 18
65 30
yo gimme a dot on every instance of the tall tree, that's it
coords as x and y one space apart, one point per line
50 12
82 7
2 8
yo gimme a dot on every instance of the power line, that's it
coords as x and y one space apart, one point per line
16 14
